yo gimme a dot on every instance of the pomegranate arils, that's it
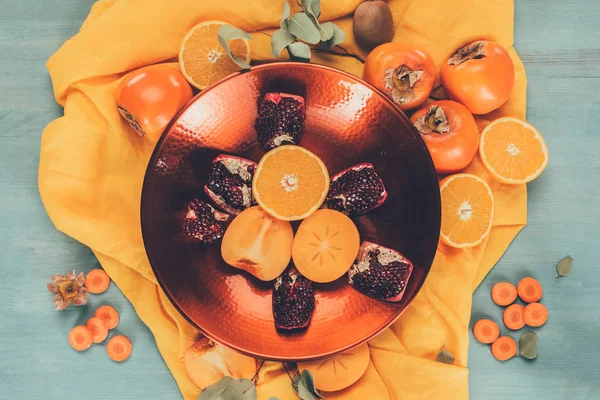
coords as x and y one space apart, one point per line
204 223
380 272
280 120
356 190
293 301
230 183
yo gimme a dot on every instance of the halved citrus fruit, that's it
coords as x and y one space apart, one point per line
467 210
290 183
513 151
202 59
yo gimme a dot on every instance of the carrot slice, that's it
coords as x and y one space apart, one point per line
535 314
513 317
504 293
530 290
119 348
97 328
97 281
486 331
80 338
108 315
504 348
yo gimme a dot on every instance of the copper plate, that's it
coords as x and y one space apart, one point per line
347 122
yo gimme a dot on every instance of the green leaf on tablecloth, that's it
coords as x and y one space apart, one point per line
564 266
338 37
445 356
304 385
299 51
327 30
280 40
230 389
303 28
528 345
286 14
227 33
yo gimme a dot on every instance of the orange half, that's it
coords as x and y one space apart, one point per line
467 210
203 60
513 151
290 183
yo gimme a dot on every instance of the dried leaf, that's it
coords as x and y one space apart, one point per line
286 14
280 40
52 287
338 37
299 51
445 357
564 266
303 28
227 33
327 30
528 345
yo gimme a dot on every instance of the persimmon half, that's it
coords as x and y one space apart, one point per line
479 75
450 133
148 98
404 72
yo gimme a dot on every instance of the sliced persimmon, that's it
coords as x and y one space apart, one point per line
97 281
97 328
486 331
504 293
119 348
513 317
535 314
80 338
108 315
530 290
504 348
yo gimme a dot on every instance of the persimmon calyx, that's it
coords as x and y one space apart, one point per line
401 81
472 51
132 121
434 120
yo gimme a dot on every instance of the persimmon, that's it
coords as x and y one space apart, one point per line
450 133
404 72
479 75
148 98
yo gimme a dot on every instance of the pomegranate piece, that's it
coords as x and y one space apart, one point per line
293 301
280 120
380 272
204 223
356 190
230 183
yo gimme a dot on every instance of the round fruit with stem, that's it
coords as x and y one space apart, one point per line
148 98
404 72
479 75
450 133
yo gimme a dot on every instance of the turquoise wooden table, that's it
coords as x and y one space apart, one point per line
559 42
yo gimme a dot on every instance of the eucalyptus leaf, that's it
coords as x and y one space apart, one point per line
296 382
303 28
564 266
327 30
286 14
273 398
309 382
214 391
528 345
227 33
304 393
299 51
280 40
338 37
445 357
312 7
240 389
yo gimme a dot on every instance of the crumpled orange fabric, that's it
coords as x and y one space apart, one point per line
92 166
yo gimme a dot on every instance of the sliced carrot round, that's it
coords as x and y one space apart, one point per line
513 317
119 348
97 281
97 328
108 315
504 348
504 293
80 338
530 290
486 331
535 314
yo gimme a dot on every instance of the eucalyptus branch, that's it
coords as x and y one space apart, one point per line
255 377
288 372
346 53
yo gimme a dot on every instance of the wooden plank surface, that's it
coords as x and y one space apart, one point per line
559 41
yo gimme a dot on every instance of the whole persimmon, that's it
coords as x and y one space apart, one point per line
479 75
148 98
450 133
404 72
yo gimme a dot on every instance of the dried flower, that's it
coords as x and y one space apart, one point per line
68 290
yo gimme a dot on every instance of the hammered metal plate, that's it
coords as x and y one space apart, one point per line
347 122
